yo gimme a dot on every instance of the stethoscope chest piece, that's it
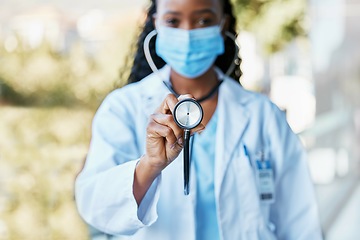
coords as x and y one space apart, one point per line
187 114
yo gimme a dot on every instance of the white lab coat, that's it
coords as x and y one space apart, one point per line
104 187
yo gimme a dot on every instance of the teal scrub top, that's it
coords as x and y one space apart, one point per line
203 155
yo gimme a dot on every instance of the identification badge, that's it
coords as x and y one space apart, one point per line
265 181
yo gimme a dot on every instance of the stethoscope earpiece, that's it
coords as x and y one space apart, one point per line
187 114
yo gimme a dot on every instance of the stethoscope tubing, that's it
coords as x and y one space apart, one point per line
186 161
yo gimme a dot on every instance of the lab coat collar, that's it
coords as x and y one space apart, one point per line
153 90
155 84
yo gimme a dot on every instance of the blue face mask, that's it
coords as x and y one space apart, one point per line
189 52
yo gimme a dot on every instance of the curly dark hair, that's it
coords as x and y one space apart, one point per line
140 68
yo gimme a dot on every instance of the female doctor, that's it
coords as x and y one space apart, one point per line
248 172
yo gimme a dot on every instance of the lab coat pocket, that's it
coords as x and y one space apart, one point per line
254 223
245 180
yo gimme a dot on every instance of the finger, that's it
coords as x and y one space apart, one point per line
168 120
198 129
168 104
156 131
185 96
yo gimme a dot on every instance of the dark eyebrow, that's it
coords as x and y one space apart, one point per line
197 12
207 10
172 13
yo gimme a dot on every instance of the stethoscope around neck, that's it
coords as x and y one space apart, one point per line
187 113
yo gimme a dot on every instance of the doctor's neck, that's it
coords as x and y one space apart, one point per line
198 87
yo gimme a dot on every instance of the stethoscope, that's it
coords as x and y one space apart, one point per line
187 114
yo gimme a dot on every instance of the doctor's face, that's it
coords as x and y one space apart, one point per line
188 14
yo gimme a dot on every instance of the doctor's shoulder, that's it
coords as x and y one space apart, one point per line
261 104
131 95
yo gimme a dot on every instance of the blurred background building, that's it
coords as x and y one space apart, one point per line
316 80
58 59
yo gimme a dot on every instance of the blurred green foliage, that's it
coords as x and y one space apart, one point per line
274 22
43 77
47 101
41 150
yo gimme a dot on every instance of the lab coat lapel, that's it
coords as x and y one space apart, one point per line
155 90
233 120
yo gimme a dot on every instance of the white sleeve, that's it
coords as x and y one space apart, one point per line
295 212
104 188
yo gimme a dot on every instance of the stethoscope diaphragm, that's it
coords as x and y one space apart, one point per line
188 113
